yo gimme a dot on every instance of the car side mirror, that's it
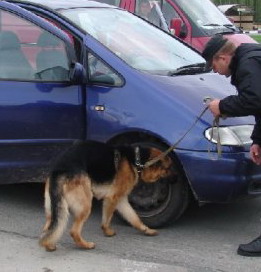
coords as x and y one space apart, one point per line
175 26
77 73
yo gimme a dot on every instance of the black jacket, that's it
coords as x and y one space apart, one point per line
246 77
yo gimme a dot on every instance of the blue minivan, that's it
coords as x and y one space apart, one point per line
77 70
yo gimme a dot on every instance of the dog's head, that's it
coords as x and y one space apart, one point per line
160 169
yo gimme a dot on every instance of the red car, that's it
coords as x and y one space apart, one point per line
191 21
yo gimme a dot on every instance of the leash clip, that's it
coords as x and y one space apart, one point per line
207 100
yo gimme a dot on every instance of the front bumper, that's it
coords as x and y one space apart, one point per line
221 179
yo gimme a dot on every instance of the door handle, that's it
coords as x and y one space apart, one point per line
99 108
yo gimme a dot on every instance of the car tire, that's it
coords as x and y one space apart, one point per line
159 204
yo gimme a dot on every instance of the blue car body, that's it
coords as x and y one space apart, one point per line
40 119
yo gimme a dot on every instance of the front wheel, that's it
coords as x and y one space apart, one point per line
164 201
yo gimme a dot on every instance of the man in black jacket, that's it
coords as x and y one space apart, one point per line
243 64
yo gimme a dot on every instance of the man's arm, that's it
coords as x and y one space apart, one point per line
256 134
248 100
255 150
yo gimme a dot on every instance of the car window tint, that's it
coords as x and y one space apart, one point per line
29 53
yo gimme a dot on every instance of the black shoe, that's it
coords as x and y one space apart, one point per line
252 249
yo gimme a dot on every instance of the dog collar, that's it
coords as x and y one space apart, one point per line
138 164
117 158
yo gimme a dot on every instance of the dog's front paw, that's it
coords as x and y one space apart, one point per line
108 231
50 248
87 245
151 232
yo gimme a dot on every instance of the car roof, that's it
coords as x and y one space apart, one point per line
62 4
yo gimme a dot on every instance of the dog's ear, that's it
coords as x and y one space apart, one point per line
154 152
164 161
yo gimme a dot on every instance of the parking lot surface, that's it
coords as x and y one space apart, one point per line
204 240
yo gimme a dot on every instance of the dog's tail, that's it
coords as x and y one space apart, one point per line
56 210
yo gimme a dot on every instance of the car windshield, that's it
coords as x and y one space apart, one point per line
141 45
208 17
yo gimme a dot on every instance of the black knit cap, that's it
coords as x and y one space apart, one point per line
212 47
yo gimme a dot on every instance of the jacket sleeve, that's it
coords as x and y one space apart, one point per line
256 134
248 84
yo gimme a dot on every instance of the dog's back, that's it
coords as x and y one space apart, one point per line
97 159
94 158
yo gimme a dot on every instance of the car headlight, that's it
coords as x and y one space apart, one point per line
231 135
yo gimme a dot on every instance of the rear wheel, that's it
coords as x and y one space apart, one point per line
163 202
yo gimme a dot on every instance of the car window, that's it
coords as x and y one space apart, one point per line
100 72
206 17
110 2
169 12
148 10
139 44
28 53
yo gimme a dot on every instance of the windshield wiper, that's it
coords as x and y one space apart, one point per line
211 25
232 27
189 69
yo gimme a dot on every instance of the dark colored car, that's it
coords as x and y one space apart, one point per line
77 70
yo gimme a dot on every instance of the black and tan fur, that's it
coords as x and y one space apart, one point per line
90 169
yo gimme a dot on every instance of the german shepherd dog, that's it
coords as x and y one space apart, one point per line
96 169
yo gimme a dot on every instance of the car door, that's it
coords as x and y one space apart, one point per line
40 111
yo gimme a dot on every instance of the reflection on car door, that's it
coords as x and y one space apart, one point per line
40 112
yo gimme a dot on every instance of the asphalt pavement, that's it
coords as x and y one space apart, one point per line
205 239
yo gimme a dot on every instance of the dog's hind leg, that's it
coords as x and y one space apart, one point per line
109 206
47 205
57 213
128 213
79 198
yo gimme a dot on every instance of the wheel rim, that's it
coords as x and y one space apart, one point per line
150 199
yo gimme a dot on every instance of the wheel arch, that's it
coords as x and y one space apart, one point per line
134 137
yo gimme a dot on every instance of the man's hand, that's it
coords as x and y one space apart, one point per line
214 107
255 154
